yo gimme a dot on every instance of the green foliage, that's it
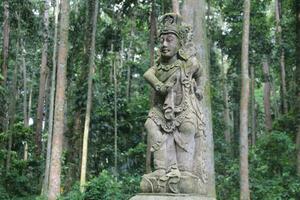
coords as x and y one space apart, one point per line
286 123
103 187
273 167
272 170
20 180
106 187
4 195
74 194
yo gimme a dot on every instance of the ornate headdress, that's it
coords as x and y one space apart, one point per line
172 23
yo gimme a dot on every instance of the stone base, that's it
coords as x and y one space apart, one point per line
167 196
183 184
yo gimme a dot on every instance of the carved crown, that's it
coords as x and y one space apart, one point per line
173 23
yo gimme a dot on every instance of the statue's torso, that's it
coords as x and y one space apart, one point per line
178 102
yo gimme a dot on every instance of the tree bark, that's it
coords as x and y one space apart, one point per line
115 119
244 170
253 108
152 32
267 94
226 114
282 57
43 75
12 98
12 107
152 61
25 103
175 6
128 89
6 30
59 118
130 56
89 98
51 104
298 83
194 13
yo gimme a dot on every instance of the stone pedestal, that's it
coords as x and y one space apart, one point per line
167 196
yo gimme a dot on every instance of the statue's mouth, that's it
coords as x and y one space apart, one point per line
165 50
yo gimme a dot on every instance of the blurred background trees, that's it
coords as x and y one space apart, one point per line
125 47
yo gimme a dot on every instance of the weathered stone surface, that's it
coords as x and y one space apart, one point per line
175 125
170 197
187 184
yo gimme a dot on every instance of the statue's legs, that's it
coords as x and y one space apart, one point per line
171 159
158 146
185 157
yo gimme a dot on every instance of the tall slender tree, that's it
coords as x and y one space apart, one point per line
253 106
297 3
12 97
244 110
282 56
226 113
267 94
25 103
152 60
43 74
6 30
89 97
51 104
194 13
59 118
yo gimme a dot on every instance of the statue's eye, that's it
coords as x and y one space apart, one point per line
170 39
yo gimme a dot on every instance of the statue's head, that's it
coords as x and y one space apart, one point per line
172 35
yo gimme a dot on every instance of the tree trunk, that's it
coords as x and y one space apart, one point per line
298 83
244 170
152 61
152 32
267 94
226 115
25 103
43 75
25 109
115 119
89 98
253 108
12 98
51 104
59 118
6 30
128 89
282 57
12 107
175 6
111 70
194 13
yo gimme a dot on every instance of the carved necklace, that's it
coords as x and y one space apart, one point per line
170 66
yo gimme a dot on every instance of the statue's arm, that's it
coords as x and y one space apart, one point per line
150 77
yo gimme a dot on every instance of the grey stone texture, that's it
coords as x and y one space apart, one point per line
175 124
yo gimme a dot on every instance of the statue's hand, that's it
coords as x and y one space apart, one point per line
198 94
162 88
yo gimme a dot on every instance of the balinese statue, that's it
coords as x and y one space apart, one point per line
175 122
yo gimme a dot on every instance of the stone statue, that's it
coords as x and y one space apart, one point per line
175 122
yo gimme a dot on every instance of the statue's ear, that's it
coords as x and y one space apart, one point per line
182 54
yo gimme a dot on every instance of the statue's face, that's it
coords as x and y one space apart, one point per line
169 45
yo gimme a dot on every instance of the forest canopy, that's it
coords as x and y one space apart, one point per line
74 101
